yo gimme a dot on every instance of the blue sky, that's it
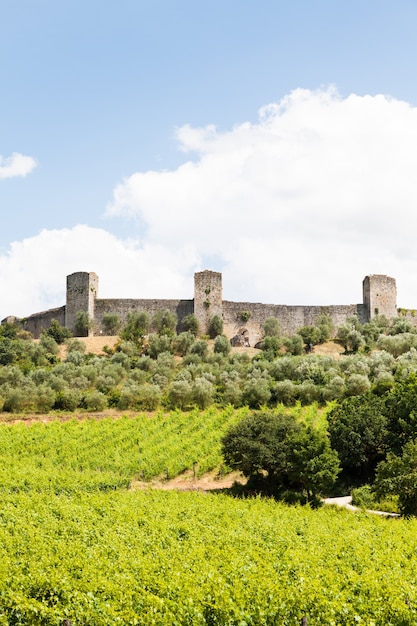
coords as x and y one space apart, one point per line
132 144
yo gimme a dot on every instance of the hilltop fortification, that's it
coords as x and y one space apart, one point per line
240 319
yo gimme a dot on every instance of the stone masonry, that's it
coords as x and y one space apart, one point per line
243 319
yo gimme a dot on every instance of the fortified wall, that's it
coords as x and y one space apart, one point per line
241 320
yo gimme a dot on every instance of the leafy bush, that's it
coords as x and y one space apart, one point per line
191 324
222 345
164 323
57 332
271 327
111 323
136 327
215 326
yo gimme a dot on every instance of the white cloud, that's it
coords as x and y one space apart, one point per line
298 207
294 209
33 272
16 165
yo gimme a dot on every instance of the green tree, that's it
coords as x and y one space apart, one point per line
202 392
398 476
277 453
271 327
164 323
83 323
215 326
222 345
191 324
357 429
111 323
57 332
136 327
294 345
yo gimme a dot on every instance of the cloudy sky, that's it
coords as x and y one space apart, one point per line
145 140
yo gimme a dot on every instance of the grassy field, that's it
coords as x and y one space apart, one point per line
78 543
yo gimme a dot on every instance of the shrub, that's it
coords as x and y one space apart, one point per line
191 324
183 342
199 347
57 332
67 400
256 392
179 395
95 401
271 327
215 326
82 324
164 323
111 323
136 327
202 392
222 345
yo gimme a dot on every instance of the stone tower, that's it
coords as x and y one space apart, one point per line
82 290
208 300
380 296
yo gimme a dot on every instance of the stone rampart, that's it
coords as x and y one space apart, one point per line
248 316
244 318
122 307
38 321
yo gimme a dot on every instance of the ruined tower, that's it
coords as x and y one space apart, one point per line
82 290
208 300
380 296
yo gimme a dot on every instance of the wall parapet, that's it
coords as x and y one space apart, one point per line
379 298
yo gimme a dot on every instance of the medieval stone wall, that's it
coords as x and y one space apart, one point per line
248 316
379 298
37 322
122 307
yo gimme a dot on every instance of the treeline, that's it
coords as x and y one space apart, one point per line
154 366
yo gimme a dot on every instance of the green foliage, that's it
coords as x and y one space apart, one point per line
244 316
11 330
397 344
256 392
57 332
398 476
271 345
136 327
164 323
202 393
199 347
83 323
278 453
215 326
222 345
159 344
318 333
183 342
271 327
294 345
111 323
358 429
191 324
349 335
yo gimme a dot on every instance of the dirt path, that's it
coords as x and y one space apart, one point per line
346 502
186 482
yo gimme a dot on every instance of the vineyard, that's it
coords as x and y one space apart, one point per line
78 544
